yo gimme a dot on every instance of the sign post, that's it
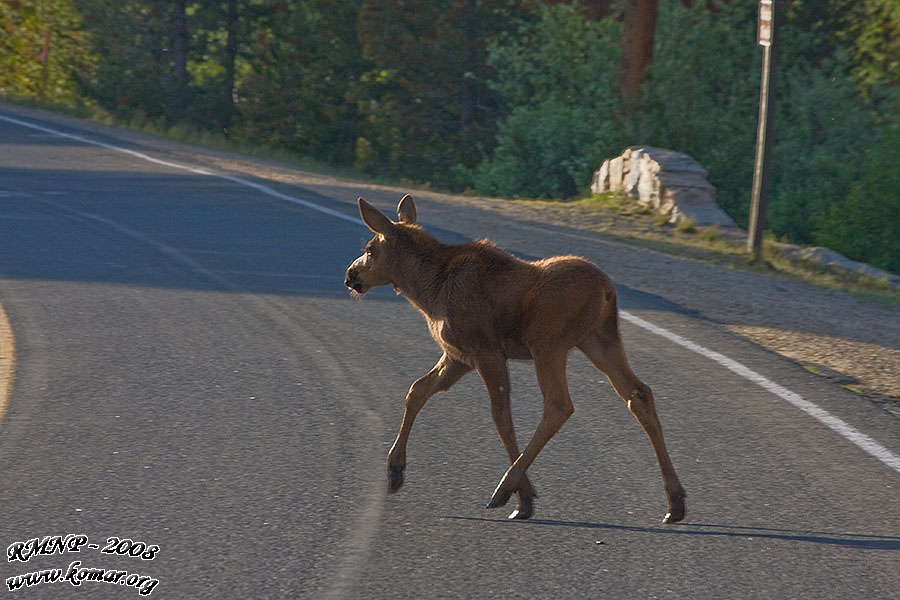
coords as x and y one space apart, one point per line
765 34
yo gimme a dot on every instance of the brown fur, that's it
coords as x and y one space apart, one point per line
484 307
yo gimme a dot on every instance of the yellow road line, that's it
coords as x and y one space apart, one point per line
7 361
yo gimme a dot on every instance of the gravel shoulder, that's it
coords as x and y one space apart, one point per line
852 342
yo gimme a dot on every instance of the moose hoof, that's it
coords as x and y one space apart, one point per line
524 511
499 499
395 478
677 509
674 516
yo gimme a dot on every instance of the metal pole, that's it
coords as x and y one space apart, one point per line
759 193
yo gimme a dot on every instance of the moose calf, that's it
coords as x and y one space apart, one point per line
485 306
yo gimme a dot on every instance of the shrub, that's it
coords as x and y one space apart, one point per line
556 76
864 224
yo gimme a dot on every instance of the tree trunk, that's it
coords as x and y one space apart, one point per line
637 45
467 59
181 54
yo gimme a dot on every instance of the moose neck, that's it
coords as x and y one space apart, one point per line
420 273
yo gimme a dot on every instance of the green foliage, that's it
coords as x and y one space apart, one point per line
305 65
701 97
543 151
556 75
424 105
564 115
134 77
864 224
25 69
876 50
501 96
701 94
821 126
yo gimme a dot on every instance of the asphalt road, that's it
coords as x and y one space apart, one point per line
192 376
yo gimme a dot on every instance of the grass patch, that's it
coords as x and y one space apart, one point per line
660 219
709 235
687 226
814 370
620 203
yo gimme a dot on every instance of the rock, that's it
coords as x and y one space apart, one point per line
632 177
615 174
600 184
837 263
670 182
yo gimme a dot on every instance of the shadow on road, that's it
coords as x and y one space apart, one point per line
185 231
849 540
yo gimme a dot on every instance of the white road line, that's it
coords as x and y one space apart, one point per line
269 191
837 425
813 410
84 140
245 182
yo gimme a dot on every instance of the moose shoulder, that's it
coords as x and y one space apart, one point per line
485 306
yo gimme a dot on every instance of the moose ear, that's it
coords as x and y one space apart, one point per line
406 210
373 218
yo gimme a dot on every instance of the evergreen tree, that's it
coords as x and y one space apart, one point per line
425 105
304 67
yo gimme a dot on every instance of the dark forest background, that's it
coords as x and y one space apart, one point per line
512 98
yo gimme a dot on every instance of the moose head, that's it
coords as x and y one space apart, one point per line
376 266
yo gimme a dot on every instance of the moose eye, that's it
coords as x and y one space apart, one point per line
370 252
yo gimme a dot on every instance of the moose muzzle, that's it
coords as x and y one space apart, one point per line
353 281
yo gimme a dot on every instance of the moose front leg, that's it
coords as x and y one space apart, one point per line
445 373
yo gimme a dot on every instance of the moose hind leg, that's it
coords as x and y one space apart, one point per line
609 357
444 374
551 372
642 406
496 380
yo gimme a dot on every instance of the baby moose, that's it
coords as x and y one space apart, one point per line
484 307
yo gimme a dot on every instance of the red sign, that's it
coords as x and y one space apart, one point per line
764 28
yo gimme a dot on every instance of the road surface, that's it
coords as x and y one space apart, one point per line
192 376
